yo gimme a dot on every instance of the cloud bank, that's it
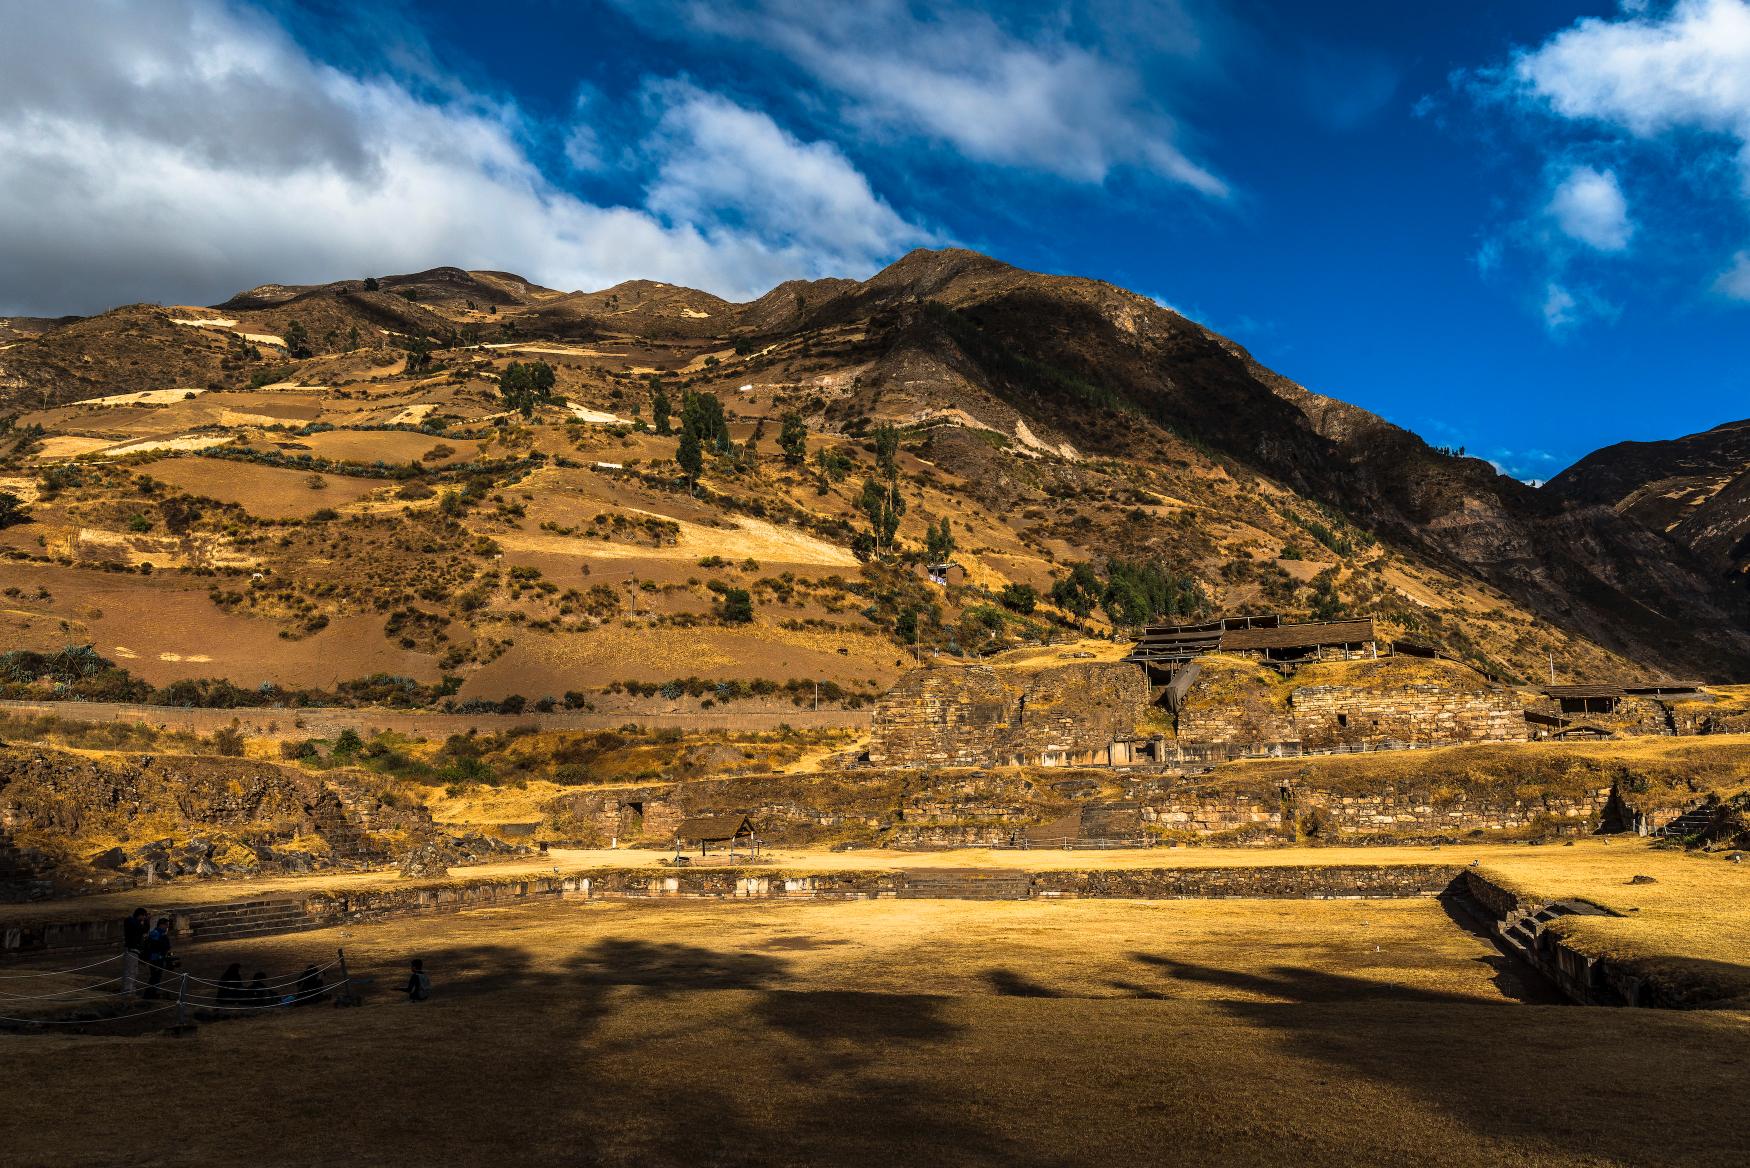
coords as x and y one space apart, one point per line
1033 99
1679 73
197 150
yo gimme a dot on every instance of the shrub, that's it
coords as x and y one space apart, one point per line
229 741
737 607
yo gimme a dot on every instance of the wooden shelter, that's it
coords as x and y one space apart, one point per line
1163 649
1603 698
730 831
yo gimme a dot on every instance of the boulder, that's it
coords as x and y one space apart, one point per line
429 858
109 861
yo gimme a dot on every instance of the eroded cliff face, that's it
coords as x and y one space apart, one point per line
1694 489
976 715
76 821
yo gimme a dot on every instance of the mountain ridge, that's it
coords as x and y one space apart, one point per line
1072 371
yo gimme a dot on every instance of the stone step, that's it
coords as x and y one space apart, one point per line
292 926
966 884
243 918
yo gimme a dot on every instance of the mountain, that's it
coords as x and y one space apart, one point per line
1695 490
1050 420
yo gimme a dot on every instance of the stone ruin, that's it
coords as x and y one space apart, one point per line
1067 715
1108 714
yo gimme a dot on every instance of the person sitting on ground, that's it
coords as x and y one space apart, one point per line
134 930
231 986
309 988
257 994
156 951
418 984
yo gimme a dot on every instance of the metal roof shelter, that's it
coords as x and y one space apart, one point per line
1621 690
1165 647
705 830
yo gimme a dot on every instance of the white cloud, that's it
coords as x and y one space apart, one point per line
1735 280
1566 305
196 150
1674 76
1560 309
956 76
1686 69
1589 206
724 165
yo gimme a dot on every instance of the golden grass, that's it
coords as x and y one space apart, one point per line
1389 672
900 1033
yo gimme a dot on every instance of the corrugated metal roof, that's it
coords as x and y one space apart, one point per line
1308 636
712 828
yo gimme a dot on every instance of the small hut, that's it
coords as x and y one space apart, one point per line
946 574
729 831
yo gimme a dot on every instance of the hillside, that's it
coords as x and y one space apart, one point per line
1694 489
318 493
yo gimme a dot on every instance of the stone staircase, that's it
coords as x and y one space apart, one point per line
965 884
337 816
1522 932
1689 823
246 918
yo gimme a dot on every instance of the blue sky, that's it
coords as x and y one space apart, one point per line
1521 226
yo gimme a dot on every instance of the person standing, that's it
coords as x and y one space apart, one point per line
156 952
134 930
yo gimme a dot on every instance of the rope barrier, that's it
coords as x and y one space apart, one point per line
292 1000
191 1003
58 972
178 985
89 1021
287 981
59 993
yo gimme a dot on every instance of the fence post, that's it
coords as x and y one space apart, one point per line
182 1000
345 979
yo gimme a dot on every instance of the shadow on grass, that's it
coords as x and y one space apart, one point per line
1513 975
631 1051
1574 1079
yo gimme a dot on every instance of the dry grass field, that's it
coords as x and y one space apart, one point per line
266 492
903 1032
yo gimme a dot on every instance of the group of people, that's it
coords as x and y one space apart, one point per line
146 955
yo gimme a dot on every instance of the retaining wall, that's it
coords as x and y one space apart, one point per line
324 909
1587 979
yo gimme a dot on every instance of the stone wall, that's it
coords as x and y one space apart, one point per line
1330 716
978 716
317 910
1236 703
910 807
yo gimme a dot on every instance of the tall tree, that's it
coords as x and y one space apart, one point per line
297 340
939 541
884 506
887 450
691 456
660 408
793 439
525 386
702 413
